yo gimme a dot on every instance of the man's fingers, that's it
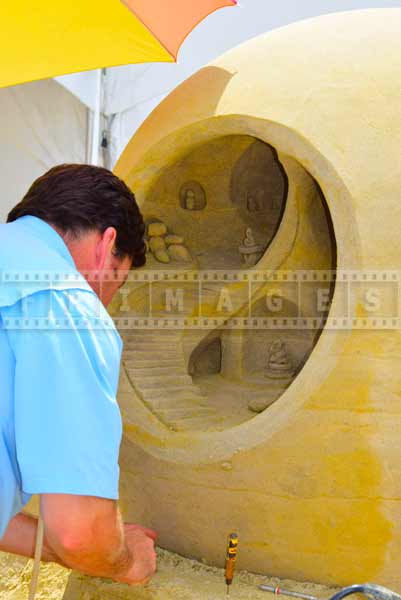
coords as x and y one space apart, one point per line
150 533
146 530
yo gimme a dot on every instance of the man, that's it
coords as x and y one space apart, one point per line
64 252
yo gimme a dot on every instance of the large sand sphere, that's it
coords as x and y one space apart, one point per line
308 119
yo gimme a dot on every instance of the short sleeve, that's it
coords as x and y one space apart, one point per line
67 421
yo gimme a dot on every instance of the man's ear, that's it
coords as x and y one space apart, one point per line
104 248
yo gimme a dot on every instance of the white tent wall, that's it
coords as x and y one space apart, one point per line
42 125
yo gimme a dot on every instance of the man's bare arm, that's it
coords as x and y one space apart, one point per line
20 538
87 534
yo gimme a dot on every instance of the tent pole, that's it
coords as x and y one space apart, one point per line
96 120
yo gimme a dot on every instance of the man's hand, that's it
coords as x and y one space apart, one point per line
140 541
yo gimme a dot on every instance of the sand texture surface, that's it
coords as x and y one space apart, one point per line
177 578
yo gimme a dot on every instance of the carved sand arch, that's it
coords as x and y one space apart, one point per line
296 216
308 482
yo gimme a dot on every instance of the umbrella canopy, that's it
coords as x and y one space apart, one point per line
54 37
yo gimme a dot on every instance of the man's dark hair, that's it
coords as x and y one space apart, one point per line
78 198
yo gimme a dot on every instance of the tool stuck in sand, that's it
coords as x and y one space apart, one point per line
37 558
277 590
371 590
231 557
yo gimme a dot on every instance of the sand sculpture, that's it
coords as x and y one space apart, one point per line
288 434
296 136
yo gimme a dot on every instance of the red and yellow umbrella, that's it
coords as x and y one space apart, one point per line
55 37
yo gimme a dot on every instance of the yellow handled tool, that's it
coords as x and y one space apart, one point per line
231 558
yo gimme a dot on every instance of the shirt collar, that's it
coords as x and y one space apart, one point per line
46 233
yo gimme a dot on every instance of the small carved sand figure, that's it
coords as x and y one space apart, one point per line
190 200
250 204
280 368
249 240
259 199
279 363
275 203
249 249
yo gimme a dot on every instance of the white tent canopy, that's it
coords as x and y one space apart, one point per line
45 123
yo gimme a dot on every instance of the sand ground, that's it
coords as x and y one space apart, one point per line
177 578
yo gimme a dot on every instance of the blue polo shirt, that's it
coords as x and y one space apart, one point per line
60 425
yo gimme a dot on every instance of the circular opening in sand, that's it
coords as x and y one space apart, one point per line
230 207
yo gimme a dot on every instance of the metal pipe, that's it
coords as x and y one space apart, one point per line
371 590
376 592
96 119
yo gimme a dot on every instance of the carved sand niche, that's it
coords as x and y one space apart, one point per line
279 158
224 199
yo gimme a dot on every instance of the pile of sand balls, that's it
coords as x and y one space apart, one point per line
164 246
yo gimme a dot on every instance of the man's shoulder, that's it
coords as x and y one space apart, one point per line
23 247
34 260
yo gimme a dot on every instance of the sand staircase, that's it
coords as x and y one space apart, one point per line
155 365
